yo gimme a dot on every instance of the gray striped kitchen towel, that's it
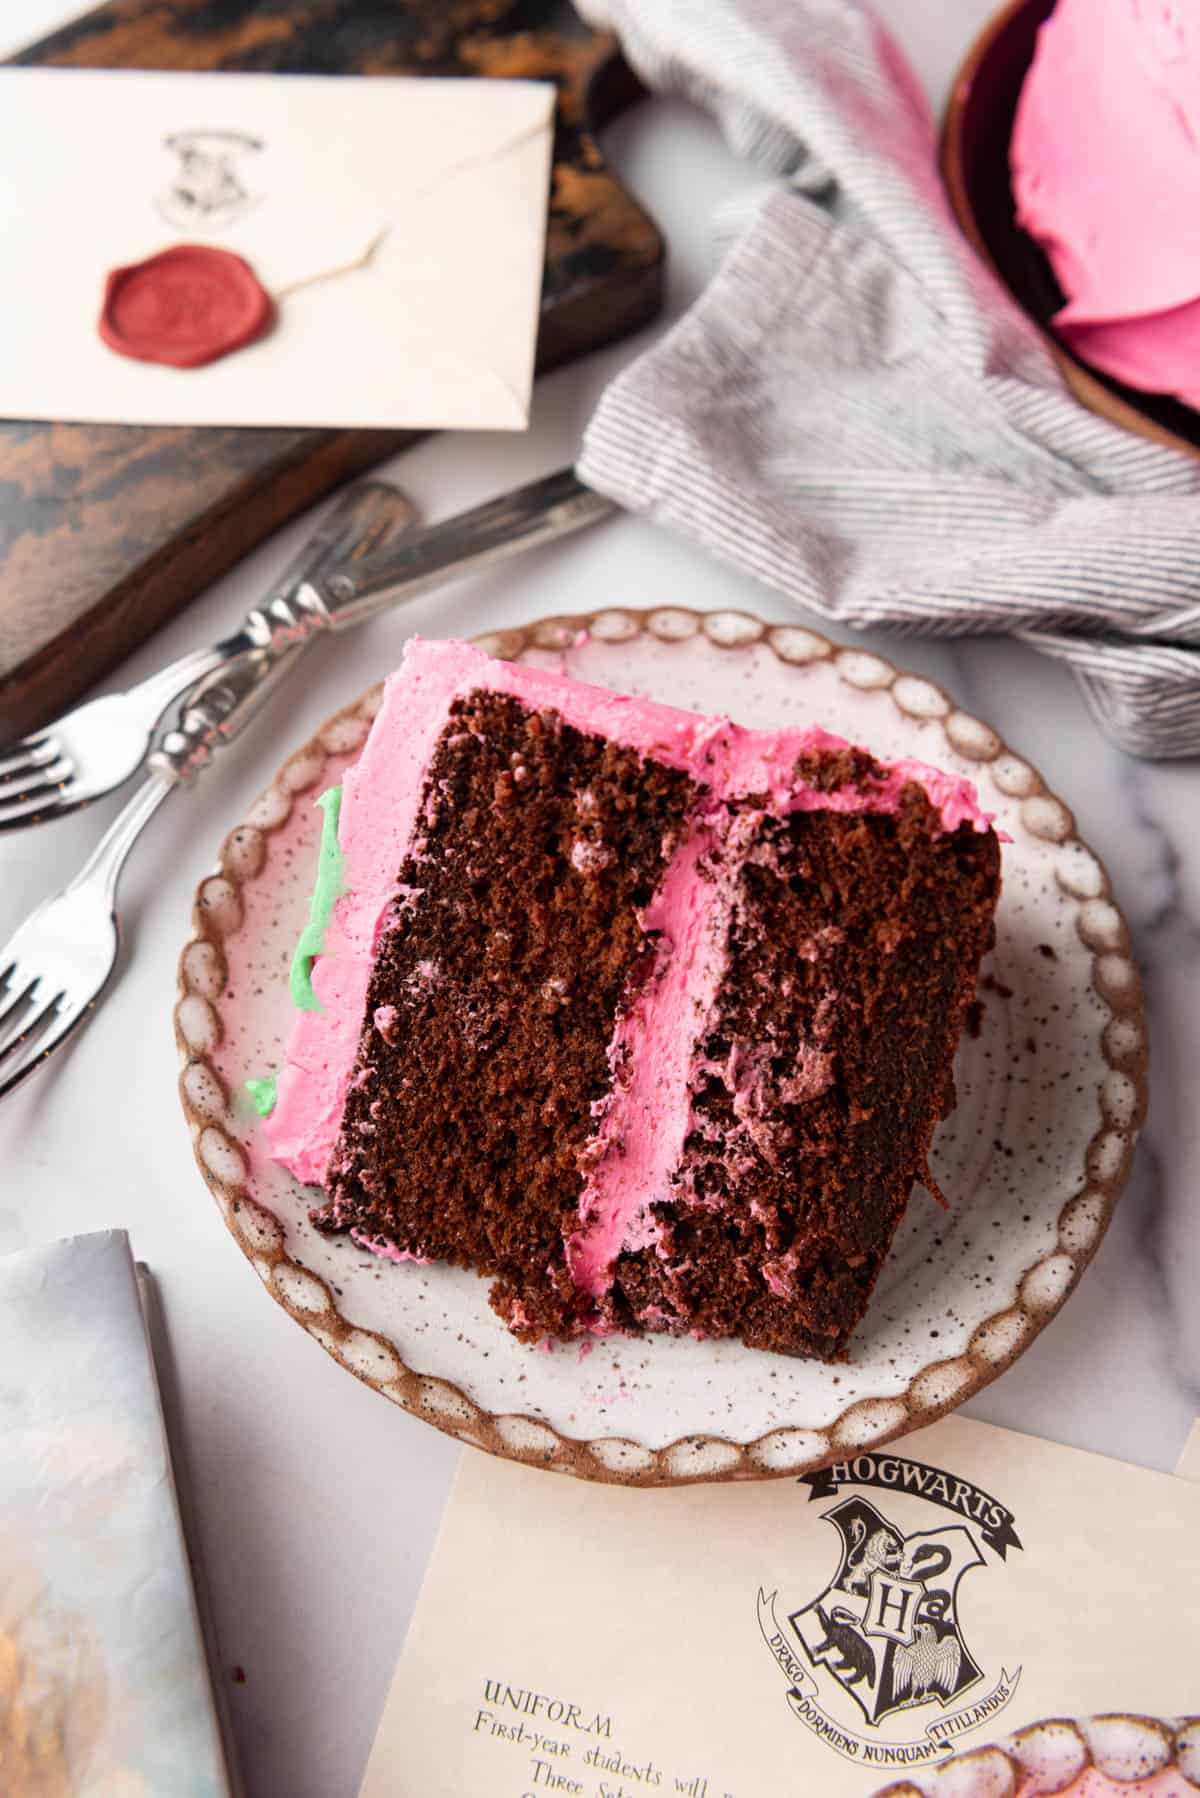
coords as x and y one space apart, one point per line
856 412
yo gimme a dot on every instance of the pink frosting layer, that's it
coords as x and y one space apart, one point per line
1105 161
643 1122
636 1147
648 1114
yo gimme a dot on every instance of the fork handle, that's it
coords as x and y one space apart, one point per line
361 520
259 657
218 709
544 510
335 590
103 866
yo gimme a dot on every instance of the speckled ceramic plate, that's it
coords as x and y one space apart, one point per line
1115 1756
1051 1093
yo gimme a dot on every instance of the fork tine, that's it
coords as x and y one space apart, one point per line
33 779
20 767
32 807
23 772
27 752
66 1020
30 1026
20 987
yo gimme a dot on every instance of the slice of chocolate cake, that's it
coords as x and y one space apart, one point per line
648 1017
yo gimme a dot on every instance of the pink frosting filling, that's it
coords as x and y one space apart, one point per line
1105 162
643 1121
648 1114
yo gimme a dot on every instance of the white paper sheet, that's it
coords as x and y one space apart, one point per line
399 224
104 1688
824 1635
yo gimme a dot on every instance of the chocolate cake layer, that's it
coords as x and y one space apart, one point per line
853 947
493 998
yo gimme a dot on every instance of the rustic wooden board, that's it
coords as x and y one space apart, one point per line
106 531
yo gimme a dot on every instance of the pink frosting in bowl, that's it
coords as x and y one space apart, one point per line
1105 166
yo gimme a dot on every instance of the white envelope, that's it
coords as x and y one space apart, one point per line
399 225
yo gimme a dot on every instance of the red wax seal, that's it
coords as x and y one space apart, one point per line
186 306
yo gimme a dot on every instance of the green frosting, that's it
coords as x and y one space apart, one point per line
325 895
262 1095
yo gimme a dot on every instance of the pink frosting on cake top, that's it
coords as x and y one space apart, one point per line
643 1121
1105 160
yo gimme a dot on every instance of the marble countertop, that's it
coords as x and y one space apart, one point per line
317 1503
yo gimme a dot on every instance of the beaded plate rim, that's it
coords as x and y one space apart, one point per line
938 1387
1125 1748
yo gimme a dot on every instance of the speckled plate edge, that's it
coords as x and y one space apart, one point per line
1057 1751
938 1387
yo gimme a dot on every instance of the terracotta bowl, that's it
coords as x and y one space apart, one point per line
974 157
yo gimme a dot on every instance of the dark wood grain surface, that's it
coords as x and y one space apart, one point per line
105 530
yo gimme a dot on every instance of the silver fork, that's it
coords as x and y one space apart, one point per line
59 962
95 748
99 745
55 968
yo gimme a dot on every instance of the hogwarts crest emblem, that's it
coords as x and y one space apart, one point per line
886 1627
207 188
880 1650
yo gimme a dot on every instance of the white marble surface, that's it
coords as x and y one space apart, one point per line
317 1502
